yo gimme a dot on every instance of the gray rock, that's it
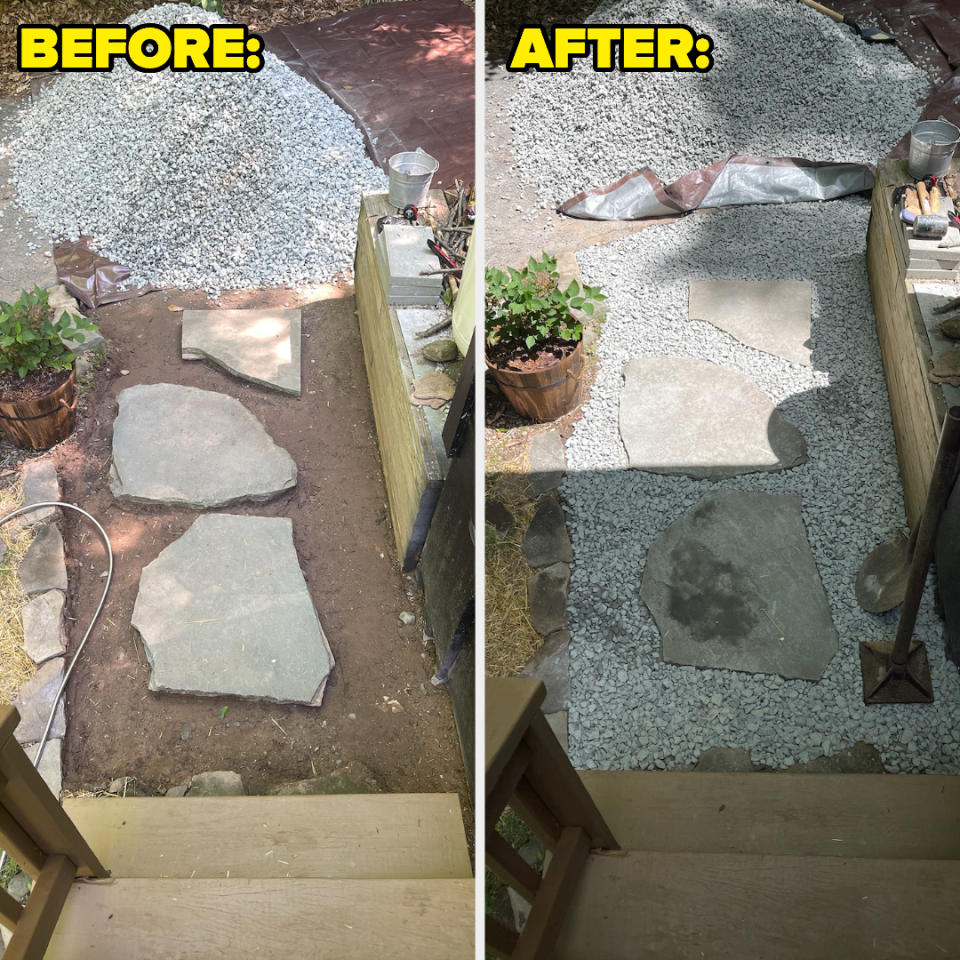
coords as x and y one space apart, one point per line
547 596
521 909
407 618
860 758
40 484
43 566
498 516
551 664
732 584
547 460
19 886
262 346
546 540
178 791
187 447
43 633
350 778
669 411
3 550
36 699
122 786
51 768
769 315
724 760
558 724
224 610
441 351
217 783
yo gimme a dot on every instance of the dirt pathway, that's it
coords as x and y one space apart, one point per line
342 533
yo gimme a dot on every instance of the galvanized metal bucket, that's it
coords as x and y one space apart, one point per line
410 175
932 144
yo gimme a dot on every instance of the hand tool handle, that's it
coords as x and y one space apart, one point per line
832 14
924 198
910 200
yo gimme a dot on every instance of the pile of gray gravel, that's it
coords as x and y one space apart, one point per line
628 708
786 81
209 180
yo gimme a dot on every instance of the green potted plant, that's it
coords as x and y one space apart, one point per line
38 383
534 338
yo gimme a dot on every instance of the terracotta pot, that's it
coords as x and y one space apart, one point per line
40 423
543 394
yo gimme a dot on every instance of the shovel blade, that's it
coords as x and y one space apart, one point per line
882 578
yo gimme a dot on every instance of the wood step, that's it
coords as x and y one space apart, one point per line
138 919
883 816
362 837
668 906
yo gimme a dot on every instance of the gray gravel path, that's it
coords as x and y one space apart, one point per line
630 710
787 81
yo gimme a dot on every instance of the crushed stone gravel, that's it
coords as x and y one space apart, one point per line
197 180
630 710
786 81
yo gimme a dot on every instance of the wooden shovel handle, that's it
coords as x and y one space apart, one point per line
924 198
832 14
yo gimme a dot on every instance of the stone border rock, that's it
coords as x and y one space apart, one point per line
43 573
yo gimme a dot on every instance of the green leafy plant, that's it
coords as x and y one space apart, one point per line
528 306
30 338
211 6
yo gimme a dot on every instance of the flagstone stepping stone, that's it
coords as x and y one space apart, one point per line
43 633
770 315
43 566
36 699
51 767
551 664
224 610
40 484
733 585
193 448
548 461
262 346
702 420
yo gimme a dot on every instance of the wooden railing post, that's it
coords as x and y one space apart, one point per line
39 836
528 770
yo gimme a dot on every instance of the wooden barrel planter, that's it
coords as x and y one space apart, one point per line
544 394
40 423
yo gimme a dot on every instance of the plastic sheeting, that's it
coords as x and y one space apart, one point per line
732 182
92 279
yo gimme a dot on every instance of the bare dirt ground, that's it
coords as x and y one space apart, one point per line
116 725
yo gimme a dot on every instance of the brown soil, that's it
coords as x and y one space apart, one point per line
34 385
519 358
116 725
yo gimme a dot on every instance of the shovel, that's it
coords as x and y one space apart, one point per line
867 33
899 672
882 578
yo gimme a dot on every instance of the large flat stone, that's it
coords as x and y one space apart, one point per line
43 566
551 664
51 767
697 418
36 699
217 783
770 315
262 346
547 595
225 610
547 540
40 484
732 584
43 633
193 448
547 461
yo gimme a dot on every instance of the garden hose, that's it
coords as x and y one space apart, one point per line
73 662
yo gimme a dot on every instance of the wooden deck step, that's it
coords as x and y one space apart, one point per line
882 816
668 906
139 919
363 837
